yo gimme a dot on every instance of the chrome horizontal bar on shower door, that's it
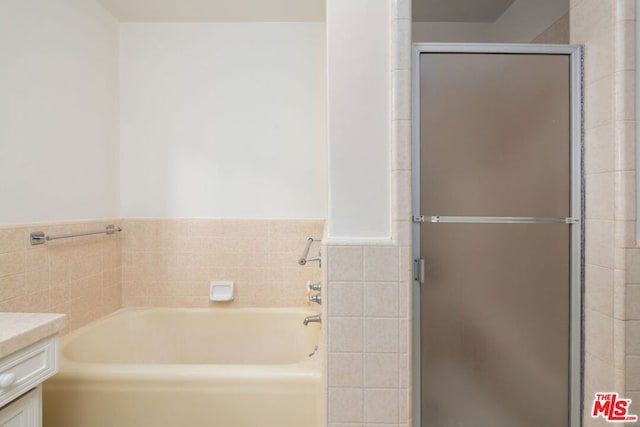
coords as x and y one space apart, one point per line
495 219
38 237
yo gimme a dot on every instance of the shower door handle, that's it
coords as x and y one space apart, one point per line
418 270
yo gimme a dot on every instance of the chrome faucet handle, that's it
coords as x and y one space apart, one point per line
314 286
317 298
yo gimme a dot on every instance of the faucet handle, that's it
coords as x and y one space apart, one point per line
314 286
317 298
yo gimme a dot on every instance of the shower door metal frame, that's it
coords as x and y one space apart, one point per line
576 330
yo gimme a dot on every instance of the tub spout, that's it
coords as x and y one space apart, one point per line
310 319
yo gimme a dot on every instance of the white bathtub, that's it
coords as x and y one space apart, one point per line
160 367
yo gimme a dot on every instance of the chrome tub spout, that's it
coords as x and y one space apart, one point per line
310 319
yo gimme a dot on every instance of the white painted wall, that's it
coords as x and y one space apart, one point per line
520 23
223 120
453 32
525 19
359 117
58 111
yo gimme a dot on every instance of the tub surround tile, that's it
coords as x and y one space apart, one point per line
381 264
599 150
599 289
260 256
345 370
344 298
381 299
632 374
381 370
345 263
381 405
381 335
78 276
345 334
345 405
633 302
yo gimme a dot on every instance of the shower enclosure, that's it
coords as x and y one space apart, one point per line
497 237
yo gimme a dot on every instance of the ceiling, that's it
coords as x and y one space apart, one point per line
459 10
216 10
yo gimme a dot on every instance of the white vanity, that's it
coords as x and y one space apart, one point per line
28 356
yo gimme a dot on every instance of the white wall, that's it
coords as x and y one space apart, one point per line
359 117
453 32
223 120
526 19
520 23
58 111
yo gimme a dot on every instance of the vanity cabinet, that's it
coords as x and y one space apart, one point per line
26 411
21 376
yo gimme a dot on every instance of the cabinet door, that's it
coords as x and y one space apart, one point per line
23 412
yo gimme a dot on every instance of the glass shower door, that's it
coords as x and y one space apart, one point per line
496 239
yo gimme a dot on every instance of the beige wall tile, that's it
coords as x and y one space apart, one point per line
260 256
345 298
345 370
599 335
345 405
12 263
625 55
345 263
402 61
632 331
402 232
401 145
625 149
12 240
625 195
633 302
381 264
600 203
381 405
381 370
401 195
381 299
68 275
598 104
625 234
381 335
632 373
344 334
401 94
599 289
599 245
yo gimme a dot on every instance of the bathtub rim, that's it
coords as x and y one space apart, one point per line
70 369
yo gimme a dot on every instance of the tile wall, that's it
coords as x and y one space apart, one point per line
165 263
368 284
607 31
80 276
171 263
368 336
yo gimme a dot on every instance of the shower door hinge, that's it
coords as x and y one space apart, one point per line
418 270
418 218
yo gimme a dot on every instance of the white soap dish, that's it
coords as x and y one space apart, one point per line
221 291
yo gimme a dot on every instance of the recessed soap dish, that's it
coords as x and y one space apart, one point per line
221 291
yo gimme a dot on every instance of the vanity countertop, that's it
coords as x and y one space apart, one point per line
20 330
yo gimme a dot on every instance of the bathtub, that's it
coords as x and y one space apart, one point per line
157 367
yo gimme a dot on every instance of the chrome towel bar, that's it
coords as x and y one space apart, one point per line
305 252
38 237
